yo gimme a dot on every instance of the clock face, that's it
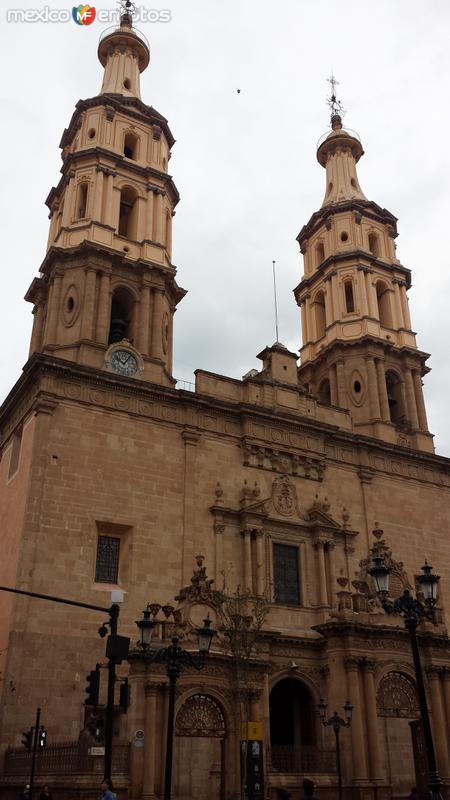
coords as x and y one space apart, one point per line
124 362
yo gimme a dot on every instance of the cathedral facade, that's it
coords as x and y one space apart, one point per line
279 488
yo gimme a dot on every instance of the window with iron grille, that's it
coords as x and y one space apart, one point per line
107 561
286 578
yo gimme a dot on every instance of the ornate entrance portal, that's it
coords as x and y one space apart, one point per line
199 750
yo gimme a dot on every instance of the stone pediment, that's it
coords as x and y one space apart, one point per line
322 519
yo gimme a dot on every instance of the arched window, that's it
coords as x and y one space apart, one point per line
397 410
130 146
319 313
349 301
127 213
82 195
324 393
384 305
320 253
121 315
374 245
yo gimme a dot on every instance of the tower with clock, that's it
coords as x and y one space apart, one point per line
107 291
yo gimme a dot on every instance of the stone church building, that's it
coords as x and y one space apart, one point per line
283 485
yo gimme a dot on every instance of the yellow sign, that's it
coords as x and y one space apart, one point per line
252 731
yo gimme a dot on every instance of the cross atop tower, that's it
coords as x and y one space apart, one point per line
334 104
127 9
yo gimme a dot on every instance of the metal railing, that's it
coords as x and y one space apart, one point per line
188 386
65 758
340 131
287 758
126 31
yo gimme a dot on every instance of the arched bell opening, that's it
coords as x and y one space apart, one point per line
127 225
319 314
384 305
121 315
397 409
324 393
293 732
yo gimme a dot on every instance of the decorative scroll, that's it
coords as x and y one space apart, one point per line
396 697
200 716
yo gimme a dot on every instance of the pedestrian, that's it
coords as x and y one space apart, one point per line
26 793
46 794
107 790
308 790
414 794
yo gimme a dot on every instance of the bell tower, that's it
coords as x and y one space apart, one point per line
107 291
359 351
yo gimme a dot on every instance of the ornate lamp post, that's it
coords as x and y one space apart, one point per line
414 611
336 722
175 658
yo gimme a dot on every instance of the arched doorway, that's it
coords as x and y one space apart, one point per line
293 741
397 706
199 750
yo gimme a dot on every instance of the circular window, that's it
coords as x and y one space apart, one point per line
91 133
70 304
344 236
127 84
357 387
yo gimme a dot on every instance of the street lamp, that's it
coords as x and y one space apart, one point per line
175 658
414 611
336 722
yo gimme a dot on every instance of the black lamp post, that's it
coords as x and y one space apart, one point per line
336 722
414 611
175 658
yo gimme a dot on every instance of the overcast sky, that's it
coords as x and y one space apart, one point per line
245 163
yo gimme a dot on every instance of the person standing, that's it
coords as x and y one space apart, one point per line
308 790
107 790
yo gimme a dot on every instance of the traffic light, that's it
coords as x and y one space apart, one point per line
92 687
27 739
124 695
42 738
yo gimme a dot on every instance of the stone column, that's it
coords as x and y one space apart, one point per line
308 321
303 323
87 322
148 231
362 292
357 727
375 412
382 391
398 304
332 574
371 295
247 559
148 788
321 573
255 707
103 310
342 394
218 541
405 306
190 439
446 687
157 216
38 325
411 399
156 348
439 725
53 310
418 393
108 200
144 320
328 306
67 213
333 385
373 734
98 196
260 565
335 295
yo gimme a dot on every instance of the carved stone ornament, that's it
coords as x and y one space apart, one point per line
200 715
396 697
200 588
284 497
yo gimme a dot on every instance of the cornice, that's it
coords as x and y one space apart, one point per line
63 381
380 347
367 208
131 106
358 255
